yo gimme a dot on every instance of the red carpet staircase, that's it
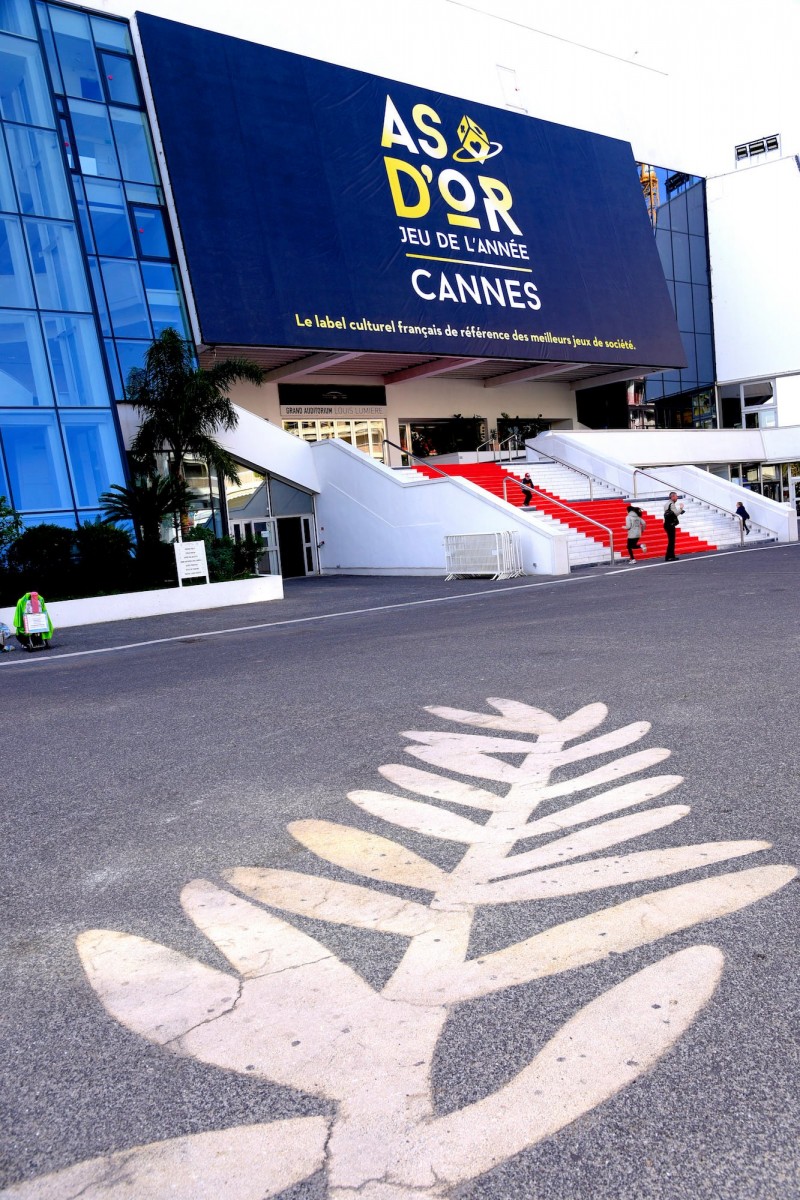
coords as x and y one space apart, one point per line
608 512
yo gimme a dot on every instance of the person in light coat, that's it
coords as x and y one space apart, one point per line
634 524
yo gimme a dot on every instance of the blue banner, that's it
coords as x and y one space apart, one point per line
324 208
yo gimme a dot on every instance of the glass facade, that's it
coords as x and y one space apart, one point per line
59 447
677 208
88 273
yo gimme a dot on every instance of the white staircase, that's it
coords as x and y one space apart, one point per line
705 522
566 484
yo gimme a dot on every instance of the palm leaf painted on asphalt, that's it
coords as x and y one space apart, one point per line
288 1010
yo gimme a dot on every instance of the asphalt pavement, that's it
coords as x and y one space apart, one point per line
141 756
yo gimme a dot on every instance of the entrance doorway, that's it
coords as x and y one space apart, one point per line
297 546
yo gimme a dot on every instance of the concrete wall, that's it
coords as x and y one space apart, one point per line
373 522
754 237
661 447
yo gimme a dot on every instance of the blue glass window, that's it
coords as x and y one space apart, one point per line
698 259
164 297
113 366
34 455
131 355
677 211
15 279
99 296
133 144
683 307
695 207
50 47
680 257
76 361
8 201
93 454
83 212
125 296
664 247
93 138
144 193
702 308
151 232
120 79
66 141
66 520
24 379
76 53
5 490
24 96
111 35
705 358
39 172
58 269
109 211
16 17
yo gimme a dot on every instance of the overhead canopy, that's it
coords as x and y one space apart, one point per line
336 221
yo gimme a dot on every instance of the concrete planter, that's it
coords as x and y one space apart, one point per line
95 609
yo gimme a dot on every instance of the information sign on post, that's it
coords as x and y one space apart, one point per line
190 558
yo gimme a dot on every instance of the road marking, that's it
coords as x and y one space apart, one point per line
43 657
288 1011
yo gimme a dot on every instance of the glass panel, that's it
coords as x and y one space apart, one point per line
24 380
83 213
344 431
120 79
93 138
131 354
99 296
677 212
58 270
8 200
15 279
680 257
50 48
125 296
705 358
767 419
112 35
76 54
164 297
109 211
39 172
93 453
757 393
75 360
16 17
683 307
664 247
113 366
702 308
23 89
67 520
144 193
151 231
35 460
698 259
66 141
133 143
695 205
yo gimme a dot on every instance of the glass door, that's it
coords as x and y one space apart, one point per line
309 545
269 561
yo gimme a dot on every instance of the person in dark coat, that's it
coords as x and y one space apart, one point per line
526 483
743 515
672 516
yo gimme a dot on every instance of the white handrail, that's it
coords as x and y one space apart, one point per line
574 511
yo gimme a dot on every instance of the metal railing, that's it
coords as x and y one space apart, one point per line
700 500
580 471
560 503
498 448
418 457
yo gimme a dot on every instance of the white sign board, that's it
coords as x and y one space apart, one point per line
190 558
35 623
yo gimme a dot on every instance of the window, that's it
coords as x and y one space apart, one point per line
119 79
16 17
131 355
75 360
34 456
39 172
111 35
112 231
151 232
94 141
24 96
93 455
164 297
8 201
133 142
15 280
58 270
24 379
76 56
125 296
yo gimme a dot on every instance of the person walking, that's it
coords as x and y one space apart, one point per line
526 483
672 515
743 515
634 524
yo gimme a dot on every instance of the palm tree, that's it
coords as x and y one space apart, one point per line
183 406
145 502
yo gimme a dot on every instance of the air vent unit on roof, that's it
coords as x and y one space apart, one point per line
759 146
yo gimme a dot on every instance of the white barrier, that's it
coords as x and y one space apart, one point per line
497 555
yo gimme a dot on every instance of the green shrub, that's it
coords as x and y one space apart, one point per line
44 559
104 559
